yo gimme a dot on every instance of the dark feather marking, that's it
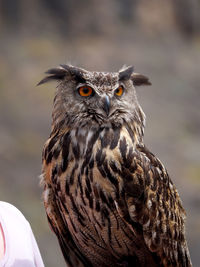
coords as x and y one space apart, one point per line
96 192
140 179
123 148
49 157
127 175
148 179
65 151
89 197
86 171
90 146
57 186
63 200
88 185
100 157
105 139
72 174
67 187
76 150
155 180
110 201
82 169
91 163
97 206
104 215
54 173
133 167
96 223
129 158
91 175
116 131
44 153
56 152
114 167
80 217
81 188
111 178
91 202
109 231
103 197
101 170
84 238
134 190
52 143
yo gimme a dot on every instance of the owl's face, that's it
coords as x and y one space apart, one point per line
96 98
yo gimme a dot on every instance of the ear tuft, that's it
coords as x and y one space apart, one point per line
125 73
54 74
139 79
60 72
75 72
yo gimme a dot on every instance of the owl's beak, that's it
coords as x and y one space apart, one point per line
106 105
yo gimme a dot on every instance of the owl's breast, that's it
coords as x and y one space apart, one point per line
86 176
89 186
90 212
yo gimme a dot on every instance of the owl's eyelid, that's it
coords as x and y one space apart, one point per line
84 84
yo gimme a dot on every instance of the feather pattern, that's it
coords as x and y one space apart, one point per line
108 199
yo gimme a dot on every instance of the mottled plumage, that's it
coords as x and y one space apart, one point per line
108 199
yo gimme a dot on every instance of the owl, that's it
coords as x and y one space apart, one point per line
108 199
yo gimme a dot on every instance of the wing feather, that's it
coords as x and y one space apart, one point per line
152 201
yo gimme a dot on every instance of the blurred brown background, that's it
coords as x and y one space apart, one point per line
160 38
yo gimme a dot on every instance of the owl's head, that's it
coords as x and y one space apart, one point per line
95 98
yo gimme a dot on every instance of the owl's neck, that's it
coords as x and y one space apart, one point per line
108 135
134 124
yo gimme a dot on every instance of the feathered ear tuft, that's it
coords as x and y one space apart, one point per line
125 73
60 72
54 74
139 79
76 73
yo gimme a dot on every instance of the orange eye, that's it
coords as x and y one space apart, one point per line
119 91
85 90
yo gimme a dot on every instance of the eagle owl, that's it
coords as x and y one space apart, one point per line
108 199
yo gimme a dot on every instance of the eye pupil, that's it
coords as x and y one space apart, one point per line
85 90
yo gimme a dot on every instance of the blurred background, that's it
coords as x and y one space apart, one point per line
160 38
